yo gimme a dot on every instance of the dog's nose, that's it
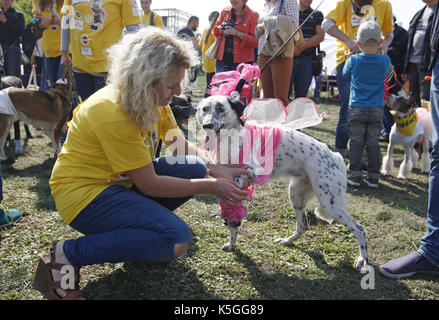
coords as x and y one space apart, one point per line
208 126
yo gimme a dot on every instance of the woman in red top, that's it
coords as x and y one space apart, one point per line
236 30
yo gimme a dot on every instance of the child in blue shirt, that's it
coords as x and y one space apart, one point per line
368 71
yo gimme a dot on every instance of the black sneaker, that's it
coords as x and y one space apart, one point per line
354 181
371 182
407 266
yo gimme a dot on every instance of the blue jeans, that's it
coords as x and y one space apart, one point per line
318 80
12 55
52 71
388 121
430 242
342 132
88 84
122 224
301 76
221 66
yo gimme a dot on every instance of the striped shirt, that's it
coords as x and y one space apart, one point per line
309 28
289 9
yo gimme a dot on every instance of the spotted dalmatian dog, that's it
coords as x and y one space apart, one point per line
309 166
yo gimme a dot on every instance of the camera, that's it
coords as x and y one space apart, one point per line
34 22
226 24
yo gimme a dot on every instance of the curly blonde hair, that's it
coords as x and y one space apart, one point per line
138 62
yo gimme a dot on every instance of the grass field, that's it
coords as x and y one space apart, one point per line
317 266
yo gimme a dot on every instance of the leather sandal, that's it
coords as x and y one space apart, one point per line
44 283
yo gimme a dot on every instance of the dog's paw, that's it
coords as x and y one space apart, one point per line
228 247
283 241
360 263
385 173
402 177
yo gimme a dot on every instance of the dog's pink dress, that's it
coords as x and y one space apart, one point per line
269 138
263 121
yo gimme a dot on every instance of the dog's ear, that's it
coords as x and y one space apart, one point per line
238 108
180 101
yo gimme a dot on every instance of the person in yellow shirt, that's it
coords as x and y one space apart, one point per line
49 12
206 40
89 28
342 23
106 182
150 18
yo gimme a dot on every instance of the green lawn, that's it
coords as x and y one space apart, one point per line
317 266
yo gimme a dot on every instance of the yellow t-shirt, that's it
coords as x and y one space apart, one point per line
51 40
102 144
158 22
348 22
208 64
95 26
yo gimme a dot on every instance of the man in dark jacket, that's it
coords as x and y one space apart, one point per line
396 52
11 29
426 258
418 52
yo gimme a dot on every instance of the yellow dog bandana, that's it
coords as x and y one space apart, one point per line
405 124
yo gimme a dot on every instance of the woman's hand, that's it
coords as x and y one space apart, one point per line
353 46
233 32
65 59
45 22
228 191
225 172
260 29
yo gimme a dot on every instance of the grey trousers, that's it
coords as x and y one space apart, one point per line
364 132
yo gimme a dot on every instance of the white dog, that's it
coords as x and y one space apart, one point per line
414 124
311 169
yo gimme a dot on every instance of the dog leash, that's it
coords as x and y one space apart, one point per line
289 39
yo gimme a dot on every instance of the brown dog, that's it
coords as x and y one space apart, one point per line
48 110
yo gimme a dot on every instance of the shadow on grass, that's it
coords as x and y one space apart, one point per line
408 195
41 172
150 280
341 281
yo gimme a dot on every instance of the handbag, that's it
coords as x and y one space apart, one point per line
317 63
33 84
213 49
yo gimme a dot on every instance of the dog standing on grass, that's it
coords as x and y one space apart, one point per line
411 124
311 169
48 110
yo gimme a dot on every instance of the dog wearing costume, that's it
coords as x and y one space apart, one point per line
411 124
273 150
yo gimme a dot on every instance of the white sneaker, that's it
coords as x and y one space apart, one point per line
18 146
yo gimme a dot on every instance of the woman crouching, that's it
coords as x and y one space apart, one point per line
106 183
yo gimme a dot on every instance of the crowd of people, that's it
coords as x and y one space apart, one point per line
112 189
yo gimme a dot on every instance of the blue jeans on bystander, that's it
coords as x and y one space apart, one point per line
12 56
88 84
342 132
301 76
123 224
52 71
430 242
